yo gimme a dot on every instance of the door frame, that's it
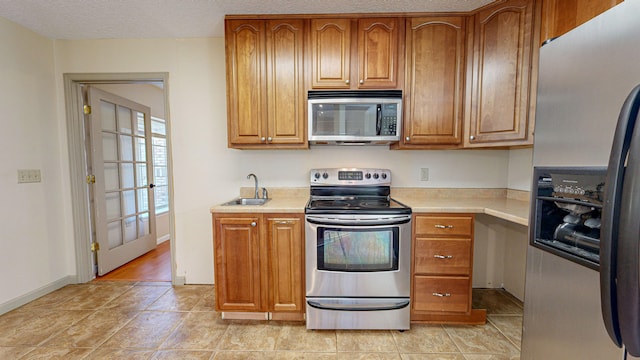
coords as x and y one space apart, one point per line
78 162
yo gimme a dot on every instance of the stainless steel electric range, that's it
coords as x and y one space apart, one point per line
358 251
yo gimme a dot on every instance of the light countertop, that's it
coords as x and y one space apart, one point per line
505 204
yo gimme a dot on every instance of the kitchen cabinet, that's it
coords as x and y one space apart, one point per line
561 16
265 83
434 81
442 269
374 43
258 265
501 74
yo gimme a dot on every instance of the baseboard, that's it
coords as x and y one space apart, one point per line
32 295
163 238
180 280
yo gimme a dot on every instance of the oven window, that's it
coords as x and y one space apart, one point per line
358 250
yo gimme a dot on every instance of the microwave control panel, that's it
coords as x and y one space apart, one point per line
389 123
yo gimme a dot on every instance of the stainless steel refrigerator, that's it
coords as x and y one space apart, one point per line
585 77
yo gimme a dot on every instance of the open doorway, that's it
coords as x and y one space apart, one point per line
150 89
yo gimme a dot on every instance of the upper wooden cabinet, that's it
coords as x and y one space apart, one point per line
501 77
372 42
434 81
560 16
265 83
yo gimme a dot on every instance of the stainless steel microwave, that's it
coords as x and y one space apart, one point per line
357 117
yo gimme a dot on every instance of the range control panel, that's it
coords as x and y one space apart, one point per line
350 176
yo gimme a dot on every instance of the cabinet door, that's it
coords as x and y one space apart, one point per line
500 81
330 53
246 106
285 248
560 16
378 53
434 81
285 82
238 266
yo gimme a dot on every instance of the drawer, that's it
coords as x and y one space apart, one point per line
441 294
444 225
442 256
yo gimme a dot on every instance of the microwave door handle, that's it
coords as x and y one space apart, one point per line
378 119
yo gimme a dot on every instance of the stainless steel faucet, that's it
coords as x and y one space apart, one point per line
255 178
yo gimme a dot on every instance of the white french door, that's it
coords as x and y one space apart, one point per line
123 168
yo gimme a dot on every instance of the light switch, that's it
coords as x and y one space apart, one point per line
29 176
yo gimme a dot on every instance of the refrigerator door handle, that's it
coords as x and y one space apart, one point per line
611 215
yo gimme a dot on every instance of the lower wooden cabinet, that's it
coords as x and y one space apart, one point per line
442 270
258 263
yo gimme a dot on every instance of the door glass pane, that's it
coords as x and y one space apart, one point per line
129 202
127 175
108 116
158 127
130 229
140 121
111 178
114 234
143 199
124 120
109 147
141 171
113 205
141 149
143 224
126 143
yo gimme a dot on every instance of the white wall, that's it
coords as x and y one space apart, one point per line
35 246
520 169
206 172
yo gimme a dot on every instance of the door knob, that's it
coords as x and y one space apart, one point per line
151 186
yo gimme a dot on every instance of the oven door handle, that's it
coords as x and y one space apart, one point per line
322 220
358 307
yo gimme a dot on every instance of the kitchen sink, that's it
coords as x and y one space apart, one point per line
246 201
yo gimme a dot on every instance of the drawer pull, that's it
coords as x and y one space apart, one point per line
438 226
443 256
441 294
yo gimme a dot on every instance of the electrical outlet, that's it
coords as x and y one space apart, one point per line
424 174
29 176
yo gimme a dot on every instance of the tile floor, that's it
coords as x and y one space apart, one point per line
121 320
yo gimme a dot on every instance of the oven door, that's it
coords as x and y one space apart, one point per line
358 255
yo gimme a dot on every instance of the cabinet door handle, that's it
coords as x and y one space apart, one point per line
441 294
269 139
438 226
253 223
443 256
346 82
263 138
472 137
361 81
407 139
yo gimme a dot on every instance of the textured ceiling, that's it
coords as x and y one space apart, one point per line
105 19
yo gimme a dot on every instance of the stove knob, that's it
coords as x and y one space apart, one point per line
384 175
367 175
325 175
376 176
316 175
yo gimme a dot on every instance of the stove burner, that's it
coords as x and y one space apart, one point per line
351 204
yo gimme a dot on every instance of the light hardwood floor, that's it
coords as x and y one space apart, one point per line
152 266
